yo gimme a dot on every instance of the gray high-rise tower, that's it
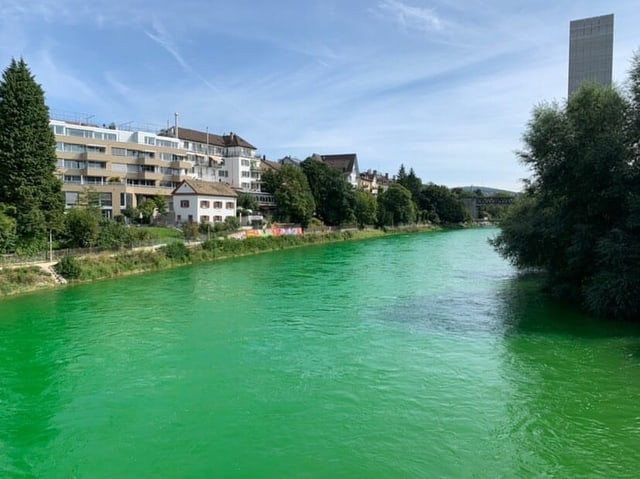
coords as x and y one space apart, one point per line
590 51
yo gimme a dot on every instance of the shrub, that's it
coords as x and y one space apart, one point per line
69 267
177 251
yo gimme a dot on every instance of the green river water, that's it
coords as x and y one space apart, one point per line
402 357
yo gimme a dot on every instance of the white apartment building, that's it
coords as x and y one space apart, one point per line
238 163
125 167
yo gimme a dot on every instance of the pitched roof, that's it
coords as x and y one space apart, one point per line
207 188
201 137
272 165
345 162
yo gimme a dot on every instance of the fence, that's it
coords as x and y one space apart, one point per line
43 256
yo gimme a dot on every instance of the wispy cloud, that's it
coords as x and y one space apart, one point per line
161 36
410 16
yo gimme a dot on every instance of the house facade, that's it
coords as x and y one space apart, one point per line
197 201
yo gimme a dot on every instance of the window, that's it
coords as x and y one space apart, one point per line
245 186
217 219
126 199
217 204
71 179
204 219
79 132
71 199
245 162
223 174
245 174
179 217
105 199
230 205
118 151
205 204
184 203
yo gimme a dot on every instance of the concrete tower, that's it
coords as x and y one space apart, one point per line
590 51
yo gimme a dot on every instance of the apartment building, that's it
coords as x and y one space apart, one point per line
125 167
238 163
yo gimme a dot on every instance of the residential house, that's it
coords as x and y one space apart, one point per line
347 164
197 201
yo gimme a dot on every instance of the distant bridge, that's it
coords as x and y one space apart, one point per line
477 206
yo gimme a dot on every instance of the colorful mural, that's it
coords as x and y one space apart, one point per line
275 231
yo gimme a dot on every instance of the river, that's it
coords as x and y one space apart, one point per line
421 355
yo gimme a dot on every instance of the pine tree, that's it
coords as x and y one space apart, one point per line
28 156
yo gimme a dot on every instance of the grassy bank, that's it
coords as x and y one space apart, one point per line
23 280
105 266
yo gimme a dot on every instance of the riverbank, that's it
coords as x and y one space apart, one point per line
110 265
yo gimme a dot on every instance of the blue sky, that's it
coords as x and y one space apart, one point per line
443 86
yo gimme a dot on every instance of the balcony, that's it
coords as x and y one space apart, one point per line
255 166
147 160
181 164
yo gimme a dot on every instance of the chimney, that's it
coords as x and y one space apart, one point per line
175 129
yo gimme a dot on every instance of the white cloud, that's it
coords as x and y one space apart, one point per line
414 17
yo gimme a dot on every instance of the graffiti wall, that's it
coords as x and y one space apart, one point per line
275 231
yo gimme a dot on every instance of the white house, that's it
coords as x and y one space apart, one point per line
197 201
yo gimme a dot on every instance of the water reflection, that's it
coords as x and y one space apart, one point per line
571 379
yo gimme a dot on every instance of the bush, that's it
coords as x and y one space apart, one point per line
69 267
177 252
190 230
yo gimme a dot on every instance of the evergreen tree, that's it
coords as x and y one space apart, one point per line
28 156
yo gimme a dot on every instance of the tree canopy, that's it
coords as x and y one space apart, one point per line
333 195
294 201
579 219
28 184
395 206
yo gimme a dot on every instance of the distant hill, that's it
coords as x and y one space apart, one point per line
488 191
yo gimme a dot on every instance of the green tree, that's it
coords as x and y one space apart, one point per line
131 213
81 227
580 217
411 182
395 206
365 208
113 234
232 223
332 194
442 205
270 180
247 201
162 208
147 209
8 235
294 201
28 156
